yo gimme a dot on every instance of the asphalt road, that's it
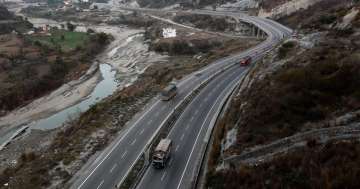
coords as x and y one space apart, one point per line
190 129
190 133
113 164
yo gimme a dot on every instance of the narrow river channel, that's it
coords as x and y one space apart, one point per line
103 89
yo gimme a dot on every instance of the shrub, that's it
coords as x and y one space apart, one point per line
285 49
327 19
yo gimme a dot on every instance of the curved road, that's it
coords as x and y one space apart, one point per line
189 133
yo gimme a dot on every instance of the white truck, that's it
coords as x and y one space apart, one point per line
162 153
169 92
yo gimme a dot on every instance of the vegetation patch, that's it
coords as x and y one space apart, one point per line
33 65
317 85
207 22
333 165
63 39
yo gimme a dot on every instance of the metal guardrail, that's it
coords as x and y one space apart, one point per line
171 119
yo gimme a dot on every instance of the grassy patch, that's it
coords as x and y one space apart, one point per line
66 40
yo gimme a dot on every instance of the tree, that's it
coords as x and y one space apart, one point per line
70 26
102 38
90 31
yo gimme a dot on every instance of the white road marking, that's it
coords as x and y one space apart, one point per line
182 137
163 107
177 147
163 176
192 118
187 127
133 142
197 137
112 169
124 154
102 182
118 142
196 112
150 121
142 131
170 162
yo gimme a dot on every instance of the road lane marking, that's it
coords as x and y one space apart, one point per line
142 131
211 68
171 160
118 142
150 121
133 142
124 154
114 166
187 127
163 176
177 147
196 112
197 137
182 137
192 118
102 182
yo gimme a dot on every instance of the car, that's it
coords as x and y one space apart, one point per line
246 61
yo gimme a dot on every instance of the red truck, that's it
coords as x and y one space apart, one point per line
246 61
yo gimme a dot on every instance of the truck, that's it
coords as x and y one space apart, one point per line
169 92
162 153
246 61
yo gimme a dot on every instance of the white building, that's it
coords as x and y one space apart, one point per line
169 32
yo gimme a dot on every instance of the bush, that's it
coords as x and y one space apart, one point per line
327 19
71 27
285 49
332 166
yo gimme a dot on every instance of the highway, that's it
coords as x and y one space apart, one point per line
190 131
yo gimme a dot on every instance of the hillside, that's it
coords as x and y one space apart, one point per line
309 84
32 65
9 22
5 14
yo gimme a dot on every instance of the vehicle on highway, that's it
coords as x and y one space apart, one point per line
162 153
169 92
246 61
198 73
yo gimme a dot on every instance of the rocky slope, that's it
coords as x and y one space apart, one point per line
276 128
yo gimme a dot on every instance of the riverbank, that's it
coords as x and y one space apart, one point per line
140 76
128 58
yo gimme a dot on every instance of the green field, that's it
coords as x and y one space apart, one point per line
68 42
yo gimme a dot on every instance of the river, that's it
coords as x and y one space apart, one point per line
103 89
112 78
